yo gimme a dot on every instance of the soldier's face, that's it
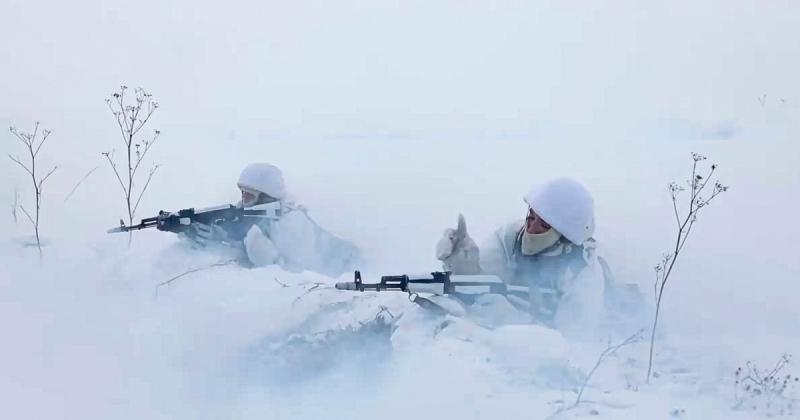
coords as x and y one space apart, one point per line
534 224
248 198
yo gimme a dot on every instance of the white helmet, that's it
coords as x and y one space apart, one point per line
566 205
263 178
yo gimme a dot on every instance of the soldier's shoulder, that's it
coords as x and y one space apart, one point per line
511 229
507 234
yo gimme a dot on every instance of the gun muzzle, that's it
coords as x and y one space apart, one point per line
346 285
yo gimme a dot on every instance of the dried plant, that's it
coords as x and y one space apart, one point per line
33 143
131 119
769 390
696 185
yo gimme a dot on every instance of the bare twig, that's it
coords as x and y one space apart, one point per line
309 290
15 205
140 154
25 212
610 350
44 138
194 270
41 181
675 207
79 183
146 184
110 157
21 164
279 282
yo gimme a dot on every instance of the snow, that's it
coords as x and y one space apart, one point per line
91 334
385 139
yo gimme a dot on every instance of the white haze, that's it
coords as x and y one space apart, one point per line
388 119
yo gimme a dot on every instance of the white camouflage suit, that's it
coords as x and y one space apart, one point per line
287 236
297 243
566 279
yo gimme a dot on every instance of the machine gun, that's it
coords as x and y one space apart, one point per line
465 287
235 220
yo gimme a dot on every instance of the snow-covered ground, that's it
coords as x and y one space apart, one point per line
91 334
388 121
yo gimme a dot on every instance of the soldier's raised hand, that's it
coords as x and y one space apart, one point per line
457 251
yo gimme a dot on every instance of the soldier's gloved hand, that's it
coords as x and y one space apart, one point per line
202 234
457 251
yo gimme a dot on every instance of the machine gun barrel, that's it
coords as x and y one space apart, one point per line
144 224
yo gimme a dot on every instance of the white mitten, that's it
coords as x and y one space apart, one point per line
260 249
457 251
